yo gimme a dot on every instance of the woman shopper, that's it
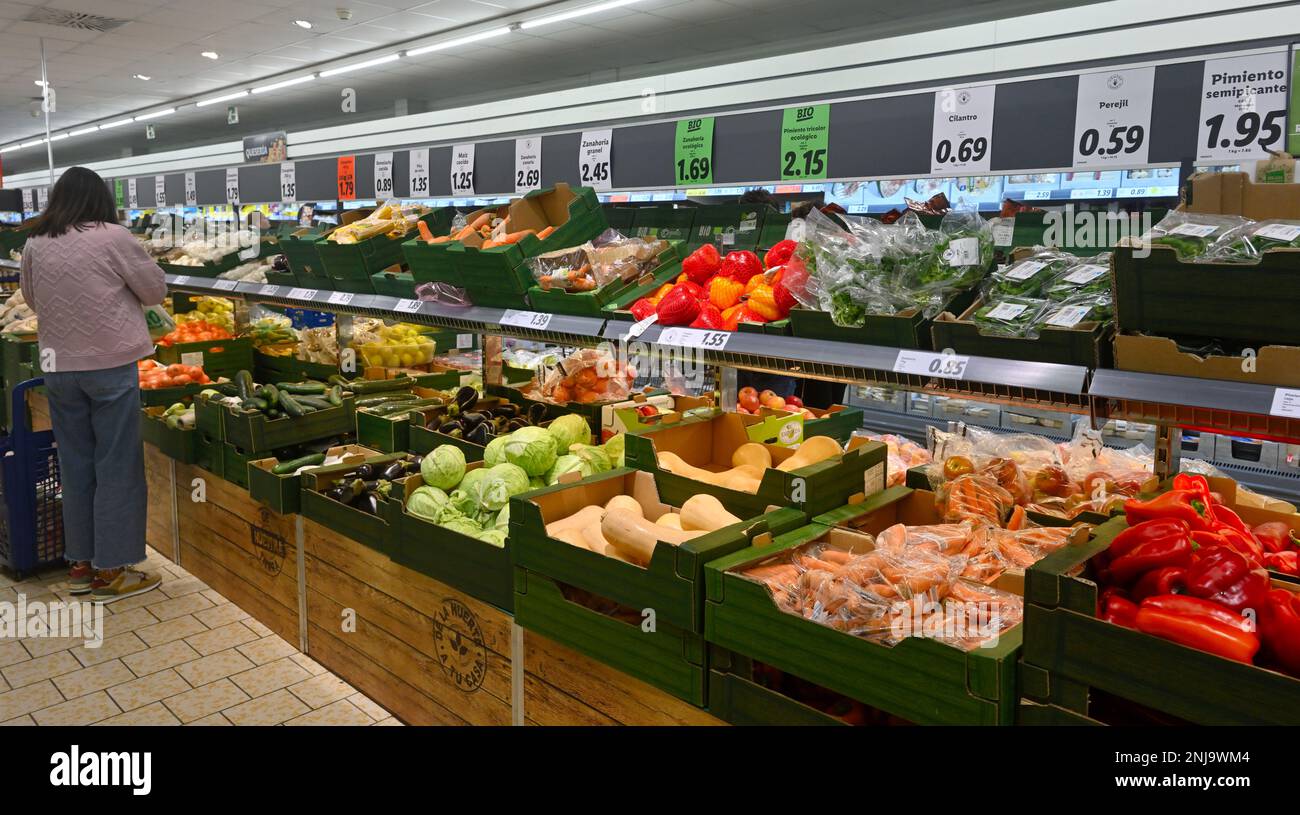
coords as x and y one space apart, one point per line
87 280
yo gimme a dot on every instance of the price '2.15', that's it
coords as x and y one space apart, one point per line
1249 127
967 150
814 163
1126 139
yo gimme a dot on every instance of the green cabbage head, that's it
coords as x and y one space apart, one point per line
444 467
532 449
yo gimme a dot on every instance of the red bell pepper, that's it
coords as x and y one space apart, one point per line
1119 610
1165 580
1185 505
1196 483
1228 578
1245 543
1284 562
1276 536
779 254
1149 545
1199 624
1279 627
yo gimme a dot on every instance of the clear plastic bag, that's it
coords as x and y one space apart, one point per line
1082 308
1191 234
1249 241
610 257
1027 277
586 376
1085 276
976 497
1010 316
903 455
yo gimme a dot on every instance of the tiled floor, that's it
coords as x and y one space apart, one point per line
181 654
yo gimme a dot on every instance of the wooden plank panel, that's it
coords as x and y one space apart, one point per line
157 476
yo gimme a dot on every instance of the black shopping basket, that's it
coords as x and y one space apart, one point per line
31 514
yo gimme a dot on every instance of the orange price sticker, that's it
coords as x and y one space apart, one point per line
347 178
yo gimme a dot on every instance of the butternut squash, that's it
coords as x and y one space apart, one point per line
745 478
635 537
586 516
673 463
669 519
595 541
706 513
624 502
752 453
572 536
813 450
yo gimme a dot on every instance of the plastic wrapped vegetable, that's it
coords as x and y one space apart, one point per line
1088 276
1010 316
1191 234
977 497
1085 308
1249 241
1028 276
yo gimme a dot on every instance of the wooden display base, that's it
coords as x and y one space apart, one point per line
158 479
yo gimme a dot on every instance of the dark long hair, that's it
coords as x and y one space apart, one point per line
80 198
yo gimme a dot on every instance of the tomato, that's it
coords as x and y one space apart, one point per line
181 379
957 466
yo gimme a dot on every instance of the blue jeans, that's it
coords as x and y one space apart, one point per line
96 418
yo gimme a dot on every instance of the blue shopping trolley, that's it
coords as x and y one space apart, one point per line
31 514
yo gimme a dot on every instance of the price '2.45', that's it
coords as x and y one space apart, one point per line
595 172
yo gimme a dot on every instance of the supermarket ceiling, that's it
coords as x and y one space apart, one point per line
130 56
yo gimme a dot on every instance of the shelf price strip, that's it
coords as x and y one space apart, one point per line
695 338
525 319
926 363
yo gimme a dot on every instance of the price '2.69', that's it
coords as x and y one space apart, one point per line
1123 139
528 178
967 150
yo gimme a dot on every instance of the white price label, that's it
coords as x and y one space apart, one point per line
302 294
1279 232
288 182
695 338
464 340
180 280
225 285
1243 107
340 298
269 290
1286 402
250 253
131 201
419 173
407 305
192 358
1086 273
963 130
29 200
526 319
728 238
1025 270
42 197
1194 230
749 225
528 165
927 363
595 159
1069 317
160 191
383 176
232 185
638 328
1006 311
963 252
1112 118
462 169
191 190
1004 230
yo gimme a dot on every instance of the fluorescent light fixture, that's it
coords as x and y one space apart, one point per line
118 123
302 23
59 137
141 76
209 55
577 12
226 98
32 143
370 63
155 114
440 46
39 82
286 83
91 129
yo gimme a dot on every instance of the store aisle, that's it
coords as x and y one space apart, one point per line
181 654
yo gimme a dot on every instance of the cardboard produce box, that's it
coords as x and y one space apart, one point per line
1237 194
375 531
1273 365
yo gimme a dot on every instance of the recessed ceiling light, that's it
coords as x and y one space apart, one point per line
40 82
302 23
141 76
210 54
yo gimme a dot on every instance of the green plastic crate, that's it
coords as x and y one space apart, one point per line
175 443
730 227
592 303
358 261
393 285
216 357
253 432
375 531
904 330
667 222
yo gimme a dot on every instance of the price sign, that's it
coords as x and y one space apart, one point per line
191 190
805 142
42 197
131 201
225 285
462 169
528 165
192 358
383 176
1004 230
464 341
693 151
595 159
408 306
1286 402
526 319
926 363
347 178
160 191
963 130
340 298
695 338
1243 107
269 290
232 185
119 193
302 294
288 182
180 280
419 172
1112 118
29 200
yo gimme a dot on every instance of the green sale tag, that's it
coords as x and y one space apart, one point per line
693 156
119 193
805 142
1293 125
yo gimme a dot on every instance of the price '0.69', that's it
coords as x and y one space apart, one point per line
968 150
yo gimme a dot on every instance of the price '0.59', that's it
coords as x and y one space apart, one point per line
1126 139
1249 127
595 172
814 163
528 178
693 170
967 150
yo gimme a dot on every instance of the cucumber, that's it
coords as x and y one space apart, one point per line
257 403
270 393
291 406
273 413
371 401
381 385
311 401
224 388
403 407
335 395
287 467
305 388
244 385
